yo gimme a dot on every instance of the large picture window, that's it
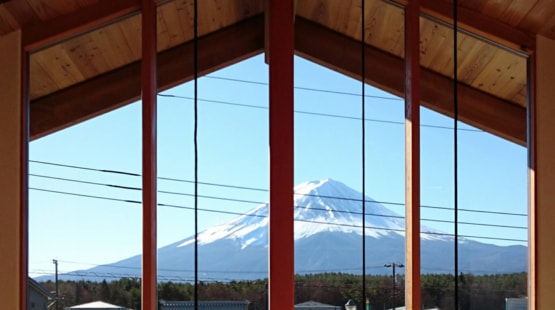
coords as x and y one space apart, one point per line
273 168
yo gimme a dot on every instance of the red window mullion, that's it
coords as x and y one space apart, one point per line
281 238
412 153
148 86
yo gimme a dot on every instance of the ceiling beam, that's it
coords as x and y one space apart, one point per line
240 41
62 27
385 71
123 86
478 24
43 34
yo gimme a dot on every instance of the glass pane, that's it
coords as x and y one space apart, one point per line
488 262
233 176
85 208
228 263
84 179
437 187
328 213
330 259
438 247
492 220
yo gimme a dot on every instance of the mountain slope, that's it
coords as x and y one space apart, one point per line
328 238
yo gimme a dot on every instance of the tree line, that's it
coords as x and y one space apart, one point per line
476 292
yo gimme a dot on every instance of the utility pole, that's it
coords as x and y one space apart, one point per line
393 265
55 261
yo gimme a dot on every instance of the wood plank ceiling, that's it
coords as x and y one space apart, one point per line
488 68
118 44
482 65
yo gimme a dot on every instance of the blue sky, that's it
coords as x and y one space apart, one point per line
81 231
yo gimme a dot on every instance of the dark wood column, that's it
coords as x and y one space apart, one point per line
281 243
148 86
541 214
412 154
13 169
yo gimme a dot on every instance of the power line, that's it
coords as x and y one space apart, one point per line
476 211
474 223
85 195
314 113
249 201
139 175
261 202
472 236
264 216
217 184
265 190
303 88
84 182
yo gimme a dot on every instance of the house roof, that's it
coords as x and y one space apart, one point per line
404 308
92 47
40 289
97 305
205 304
315 305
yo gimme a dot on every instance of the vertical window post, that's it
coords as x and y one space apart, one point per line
148 86
412 154
532 163
281 238
541 170
13 168
24 178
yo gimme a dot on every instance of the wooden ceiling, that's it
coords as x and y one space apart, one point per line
84 54
118 44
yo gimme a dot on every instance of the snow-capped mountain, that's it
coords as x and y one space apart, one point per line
320 206
328 238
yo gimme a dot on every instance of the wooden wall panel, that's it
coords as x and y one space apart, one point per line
542 212
10 182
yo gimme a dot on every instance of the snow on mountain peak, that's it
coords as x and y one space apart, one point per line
249 228
320 206
329 205
325 187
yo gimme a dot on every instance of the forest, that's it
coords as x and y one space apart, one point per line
476 292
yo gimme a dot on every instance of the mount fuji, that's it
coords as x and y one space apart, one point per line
328 238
